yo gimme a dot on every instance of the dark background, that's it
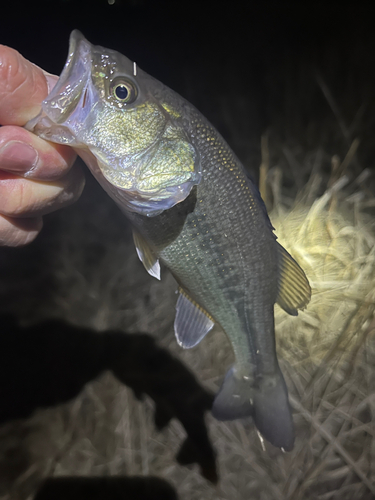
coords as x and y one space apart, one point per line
245 65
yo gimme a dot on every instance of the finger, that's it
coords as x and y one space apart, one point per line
21 197
17 232
23 86
51 79
26 155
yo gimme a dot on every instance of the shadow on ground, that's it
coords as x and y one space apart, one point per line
50 362
110 488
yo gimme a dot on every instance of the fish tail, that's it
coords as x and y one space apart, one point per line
235 398
265 399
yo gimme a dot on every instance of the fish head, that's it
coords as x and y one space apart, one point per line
127 126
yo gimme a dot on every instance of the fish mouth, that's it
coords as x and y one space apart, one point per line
70 87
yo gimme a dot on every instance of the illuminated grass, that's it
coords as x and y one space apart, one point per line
327 353
334 243
327 349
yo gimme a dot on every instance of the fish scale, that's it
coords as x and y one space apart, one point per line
226 273
193 208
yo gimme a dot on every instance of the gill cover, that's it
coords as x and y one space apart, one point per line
119 120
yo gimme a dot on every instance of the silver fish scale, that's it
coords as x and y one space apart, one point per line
225 254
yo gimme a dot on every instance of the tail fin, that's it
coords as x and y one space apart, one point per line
265 399
235 398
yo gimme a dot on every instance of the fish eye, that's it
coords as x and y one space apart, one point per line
123 90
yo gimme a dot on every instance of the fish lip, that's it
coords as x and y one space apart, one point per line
64 97
76 39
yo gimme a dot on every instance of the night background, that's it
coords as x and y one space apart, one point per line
95 394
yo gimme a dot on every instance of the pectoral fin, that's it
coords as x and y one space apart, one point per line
146 255
294 289
191 323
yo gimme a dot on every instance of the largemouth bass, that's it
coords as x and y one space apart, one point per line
193 208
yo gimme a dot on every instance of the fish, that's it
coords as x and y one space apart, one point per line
192 208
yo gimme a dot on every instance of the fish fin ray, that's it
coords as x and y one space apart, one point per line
265 400
272 414
294 288
191 323
146 255
235 398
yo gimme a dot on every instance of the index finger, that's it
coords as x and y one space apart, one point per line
23 86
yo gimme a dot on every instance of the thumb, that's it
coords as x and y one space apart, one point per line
23 86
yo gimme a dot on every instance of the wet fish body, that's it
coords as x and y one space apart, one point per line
193 208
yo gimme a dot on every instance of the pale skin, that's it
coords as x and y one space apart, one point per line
36 177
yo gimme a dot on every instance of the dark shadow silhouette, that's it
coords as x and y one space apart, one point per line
50 362
108 488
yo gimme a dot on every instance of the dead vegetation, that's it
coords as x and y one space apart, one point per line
90 276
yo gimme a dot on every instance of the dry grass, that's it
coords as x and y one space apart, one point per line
327 355
83 268
328 350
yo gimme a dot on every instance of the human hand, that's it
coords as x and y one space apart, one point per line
36 177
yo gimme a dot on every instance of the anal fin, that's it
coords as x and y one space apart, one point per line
294 288
146 255
191 323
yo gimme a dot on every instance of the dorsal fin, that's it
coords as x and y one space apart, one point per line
146 255
294 288
191 323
